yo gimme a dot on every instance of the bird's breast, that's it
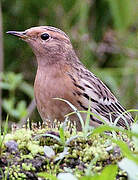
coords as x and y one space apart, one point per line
50 84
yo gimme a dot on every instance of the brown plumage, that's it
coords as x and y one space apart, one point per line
60 74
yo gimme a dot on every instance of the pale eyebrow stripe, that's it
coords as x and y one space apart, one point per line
50 28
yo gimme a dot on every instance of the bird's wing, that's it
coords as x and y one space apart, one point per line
102 101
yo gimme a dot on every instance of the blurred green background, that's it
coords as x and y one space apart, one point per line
104 34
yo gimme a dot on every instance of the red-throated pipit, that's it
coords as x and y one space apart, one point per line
60 74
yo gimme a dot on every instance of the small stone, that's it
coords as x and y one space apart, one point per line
12 146
49 152
67 176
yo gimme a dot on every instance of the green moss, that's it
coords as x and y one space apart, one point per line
22 135
34 148
14 172
28 167
27 156
81 152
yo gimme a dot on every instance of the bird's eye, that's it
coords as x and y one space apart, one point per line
45 36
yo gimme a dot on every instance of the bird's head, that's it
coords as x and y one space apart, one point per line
48 43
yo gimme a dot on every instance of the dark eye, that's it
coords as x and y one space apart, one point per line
45 36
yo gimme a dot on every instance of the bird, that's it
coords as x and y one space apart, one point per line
60 74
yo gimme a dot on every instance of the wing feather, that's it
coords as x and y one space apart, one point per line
103 102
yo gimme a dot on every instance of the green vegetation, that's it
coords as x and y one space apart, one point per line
103 33
2 136
13 106
54 153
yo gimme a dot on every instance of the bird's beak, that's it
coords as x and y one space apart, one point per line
22 34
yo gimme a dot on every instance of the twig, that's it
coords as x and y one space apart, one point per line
1 61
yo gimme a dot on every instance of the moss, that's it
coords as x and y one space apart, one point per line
28 167
34 148
30 158
14 172
27 156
